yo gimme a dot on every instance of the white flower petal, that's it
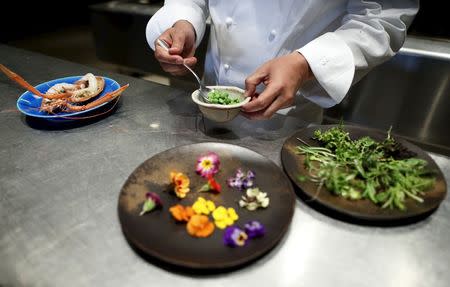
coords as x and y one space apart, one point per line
252 206
261 196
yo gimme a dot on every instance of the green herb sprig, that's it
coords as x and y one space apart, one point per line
365 169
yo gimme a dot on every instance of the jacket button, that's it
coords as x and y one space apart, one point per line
272 35
228 22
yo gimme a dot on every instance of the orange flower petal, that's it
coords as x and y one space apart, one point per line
180 183
199 226
173 175
181 180
181 191
177 212
194 224
207 230
181 213
188 213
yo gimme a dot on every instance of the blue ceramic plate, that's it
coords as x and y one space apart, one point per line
29 104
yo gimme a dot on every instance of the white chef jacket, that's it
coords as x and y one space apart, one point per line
341 39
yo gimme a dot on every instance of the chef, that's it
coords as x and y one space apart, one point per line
282 52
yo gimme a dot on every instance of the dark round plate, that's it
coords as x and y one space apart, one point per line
361 209
157 234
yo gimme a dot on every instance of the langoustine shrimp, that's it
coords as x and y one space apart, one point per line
64 96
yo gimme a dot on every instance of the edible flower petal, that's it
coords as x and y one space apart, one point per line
214 185
239 173
232 214
253 199
247 183
181 184
242 181
200 226
152 201
234 237
250 175
203 206
211 185
181 213
224 217
208 165
254 229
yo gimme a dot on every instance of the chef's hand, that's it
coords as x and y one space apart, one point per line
181 40
282 76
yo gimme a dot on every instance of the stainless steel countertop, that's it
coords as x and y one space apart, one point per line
59 191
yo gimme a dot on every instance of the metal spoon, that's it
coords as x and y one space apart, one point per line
203 91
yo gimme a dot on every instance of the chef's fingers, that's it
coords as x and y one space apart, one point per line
254 80
178 70
253 116
281 102
191 61
175 59
265 99
178 39
174 69
164 57
265 114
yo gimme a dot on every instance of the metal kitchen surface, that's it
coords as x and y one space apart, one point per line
59 186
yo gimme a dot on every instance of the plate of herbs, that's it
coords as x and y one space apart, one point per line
363 173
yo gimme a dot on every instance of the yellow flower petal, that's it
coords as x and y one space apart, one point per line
221 224
197 207
219 213
210 205
181 191
172 176
224 216
181 183
228 221
200 206
232 214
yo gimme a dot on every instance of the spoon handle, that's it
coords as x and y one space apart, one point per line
163 44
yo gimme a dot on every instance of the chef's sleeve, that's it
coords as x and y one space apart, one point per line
193 11
371 33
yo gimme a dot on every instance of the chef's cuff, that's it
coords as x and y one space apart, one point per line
332 64
165 17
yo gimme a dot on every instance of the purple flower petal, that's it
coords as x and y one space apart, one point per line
239 173
254 229
250 175
155 197
247 183
234 237
242 181
234 182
